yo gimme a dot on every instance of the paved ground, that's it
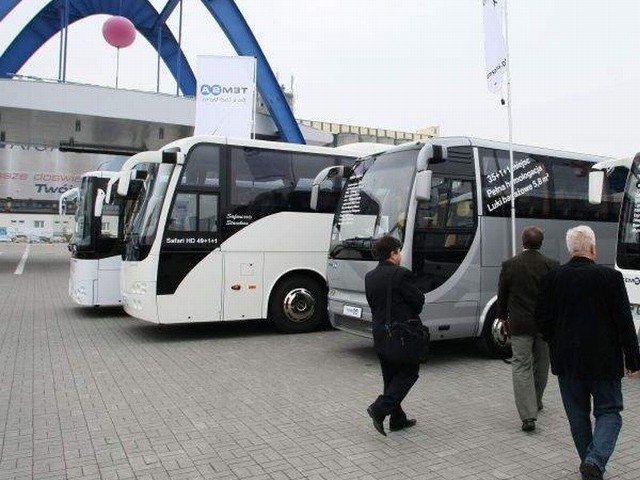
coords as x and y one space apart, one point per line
93 394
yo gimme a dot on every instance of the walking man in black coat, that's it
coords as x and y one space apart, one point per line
517 295
584 313
406 303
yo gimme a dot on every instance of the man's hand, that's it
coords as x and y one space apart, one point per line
633 374
506 325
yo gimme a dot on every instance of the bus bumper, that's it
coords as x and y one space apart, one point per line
350 318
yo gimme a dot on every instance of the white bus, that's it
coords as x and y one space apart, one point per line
224 231
627 259
96 245
448 202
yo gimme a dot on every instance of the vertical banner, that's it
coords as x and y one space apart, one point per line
225 97
495 48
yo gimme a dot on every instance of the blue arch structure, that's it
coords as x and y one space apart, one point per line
7 6
153 27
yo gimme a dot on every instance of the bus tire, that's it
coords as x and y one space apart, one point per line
492 341
298 304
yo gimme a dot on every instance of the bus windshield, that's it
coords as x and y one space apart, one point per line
628 252
149 204
84 214
374 203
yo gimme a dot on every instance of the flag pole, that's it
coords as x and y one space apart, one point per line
511 173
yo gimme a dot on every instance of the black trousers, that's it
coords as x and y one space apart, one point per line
398 379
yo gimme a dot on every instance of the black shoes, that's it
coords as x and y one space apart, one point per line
408 423
590 471
377 421
529 425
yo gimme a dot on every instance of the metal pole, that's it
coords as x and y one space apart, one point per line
62 13
511 173
158 66
255 99
179 50
117 64
66 35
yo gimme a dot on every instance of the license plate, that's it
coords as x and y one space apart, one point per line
352 311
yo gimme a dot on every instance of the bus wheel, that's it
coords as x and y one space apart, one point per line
298 305
493 340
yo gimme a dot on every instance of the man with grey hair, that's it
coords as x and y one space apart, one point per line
583 312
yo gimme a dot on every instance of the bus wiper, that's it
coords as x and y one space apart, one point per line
358 242
362 245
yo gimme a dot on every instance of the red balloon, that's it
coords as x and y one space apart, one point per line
119 32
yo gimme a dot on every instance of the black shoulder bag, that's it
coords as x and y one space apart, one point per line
405 342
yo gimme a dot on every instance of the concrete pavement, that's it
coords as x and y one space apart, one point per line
94 394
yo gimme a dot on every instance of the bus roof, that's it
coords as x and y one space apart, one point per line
185 144
478 142
617 162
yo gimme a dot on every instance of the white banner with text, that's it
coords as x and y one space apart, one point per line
495 47
225 104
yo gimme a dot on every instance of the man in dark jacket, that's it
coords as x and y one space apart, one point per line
584 313
406 303
517 295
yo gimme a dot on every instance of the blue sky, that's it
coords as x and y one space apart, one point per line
408 64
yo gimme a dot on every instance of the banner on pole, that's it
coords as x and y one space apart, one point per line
495 47
225 97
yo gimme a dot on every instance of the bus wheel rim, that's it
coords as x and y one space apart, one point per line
299 305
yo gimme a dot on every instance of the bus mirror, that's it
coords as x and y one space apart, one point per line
123 183
423 185
173 156
313 203
134 189
329 173
596 182
109 193
66 197
97 209
439 154
140 174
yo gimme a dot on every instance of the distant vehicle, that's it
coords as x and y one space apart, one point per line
448 201
224 231
4 235
627 259
96 245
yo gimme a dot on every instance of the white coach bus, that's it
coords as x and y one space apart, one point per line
96 245
224 232
448 202
627 259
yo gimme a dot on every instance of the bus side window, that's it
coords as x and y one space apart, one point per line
208 215
193 212
184 213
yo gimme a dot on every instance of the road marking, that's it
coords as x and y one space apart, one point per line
23 260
